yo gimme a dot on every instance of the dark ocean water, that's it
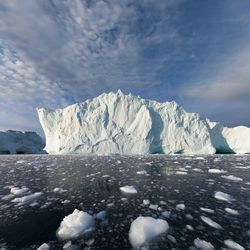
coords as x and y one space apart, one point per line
92 184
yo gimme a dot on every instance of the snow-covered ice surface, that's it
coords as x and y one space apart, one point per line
37 192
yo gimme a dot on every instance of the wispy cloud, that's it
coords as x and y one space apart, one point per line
230 83
53 53
89 45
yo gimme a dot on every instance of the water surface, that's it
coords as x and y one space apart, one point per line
180 189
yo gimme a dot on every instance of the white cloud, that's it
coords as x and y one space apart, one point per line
230 82
90 46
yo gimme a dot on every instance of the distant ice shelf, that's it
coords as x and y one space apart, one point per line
116 123
17 142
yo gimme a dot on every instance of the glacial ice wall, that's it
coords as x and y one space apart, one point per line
116 123
230 140
17 142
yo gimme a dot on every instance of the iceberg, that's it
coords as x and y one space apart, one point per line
17 142
116 123
230 140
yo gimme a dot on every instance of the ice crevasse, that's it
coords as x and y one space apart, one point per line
116 123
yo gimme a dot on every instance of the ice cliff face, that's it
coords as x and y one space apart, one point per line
115 123
230 140
16 142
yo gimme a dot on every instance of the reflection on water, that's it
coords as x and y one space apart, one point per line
179 189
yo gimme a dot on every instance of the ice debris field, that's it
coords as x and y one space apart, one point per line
125 202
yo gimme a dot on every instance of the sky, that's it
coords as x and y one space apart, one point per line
58 52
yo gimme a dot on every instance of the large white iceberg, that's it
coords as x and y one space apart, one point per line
230 140
116 123
17 142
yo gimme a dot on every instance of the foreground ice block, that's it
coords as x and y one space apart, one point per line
116 123
16 142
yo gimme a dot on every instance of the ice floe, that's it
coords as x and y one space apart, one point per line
144 229
18 191
233 245
231 211
44 246
203 245
223 196
75 225
232 178
128 189
210 222
28 198
216 171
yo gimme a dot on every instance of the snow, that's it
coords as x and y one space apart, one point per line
203 245
44 246
210 222
74 225
28 198
12 142
233 245
128 189
116 123
223 196
144 229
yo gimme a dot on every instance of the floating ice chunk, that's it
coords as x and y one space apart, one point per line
166 214
44 246
75 225
180 206
199 158
216 171
7 197
197 170
233 245
146 202
101 215
144 229
172 239
223 196
19 191
143 172
203 245
128 189
59 190
231 211
189 227
181 172
207 210
28 198
153 207
232 178
67 245
210 222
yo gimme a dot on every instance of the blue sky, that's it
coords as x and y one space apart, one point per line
58 52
